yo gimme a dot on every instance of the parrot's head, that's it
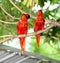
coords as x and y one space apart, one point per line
39 13
25 17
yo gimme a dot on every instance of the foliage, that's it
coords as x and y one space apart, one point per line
50 49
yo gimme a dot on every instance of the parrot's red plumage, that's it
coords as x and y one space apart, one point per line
22 28
38 25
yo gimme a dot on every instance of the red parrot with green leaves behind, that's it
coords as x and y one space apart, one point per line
38 25
22 28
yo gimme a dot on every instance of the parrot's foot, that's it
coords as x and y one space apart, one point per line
22 54
22 51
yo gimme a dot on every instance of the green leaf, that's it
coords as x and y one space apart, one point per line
41 3
53 1
36 1
1 31
24 2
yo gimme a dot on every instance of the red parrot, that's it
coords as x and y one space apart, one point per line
22 28
38 25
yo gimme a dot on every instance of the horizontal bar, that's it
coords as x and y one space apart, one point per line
6 57
23 59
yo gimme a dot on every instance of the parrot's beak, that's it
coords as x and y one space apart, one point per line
28 16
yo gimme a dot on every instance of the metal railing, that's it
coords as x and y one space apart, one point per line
13 55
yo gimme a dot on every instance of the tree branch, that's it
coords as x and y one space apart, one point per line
48 21
29 34
52 22
16 6
31 7
8 37
22 10
25 35
55 38
8 13
4 36
8 22
1 41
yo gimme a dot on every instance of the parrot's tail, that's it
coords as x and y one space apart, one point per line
22 44
37 40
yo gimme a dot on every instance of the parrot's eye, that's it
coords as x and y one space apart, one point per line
28 16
